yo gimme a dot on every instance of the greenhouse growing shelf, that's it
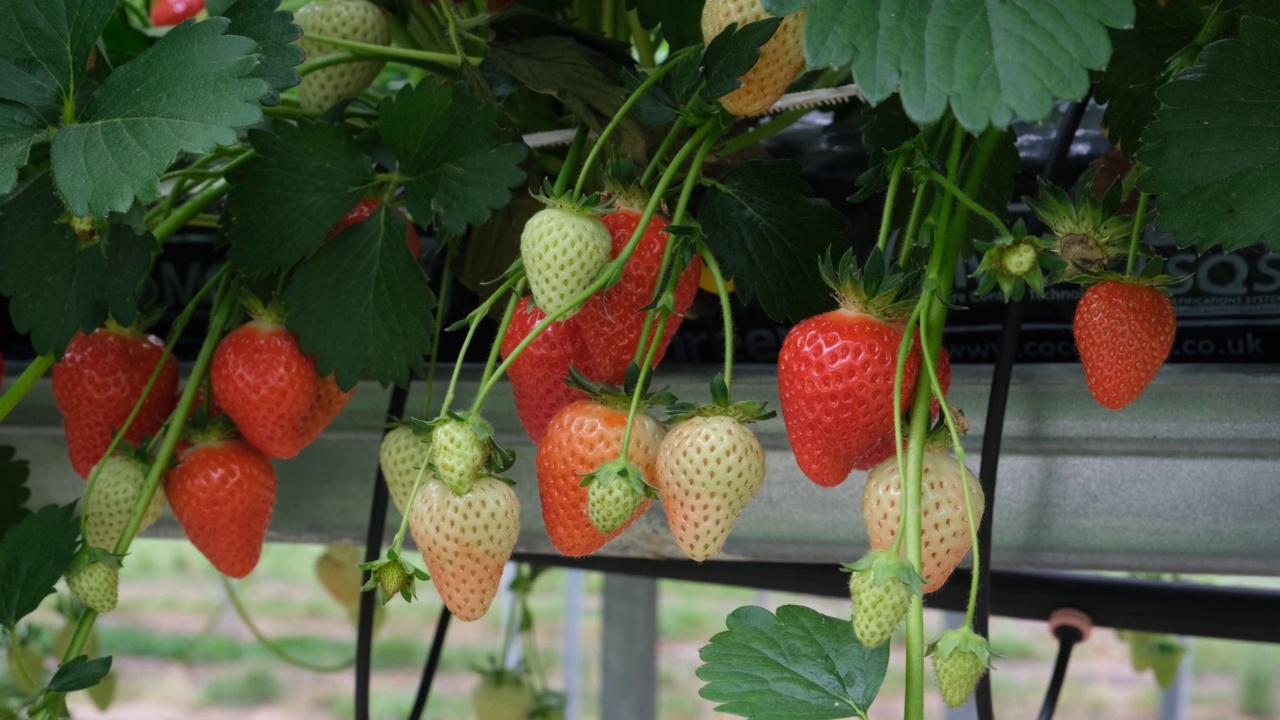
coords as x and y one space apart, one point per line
1184 480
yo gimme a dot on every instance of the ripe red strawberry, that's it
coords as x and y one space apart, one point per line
581 438
836 373
614 318
165 13
564 248
781 58
362 211
97 383
884 446
709 468
264 382
1124 331
110 505
538 374
223 492
466 540
944 527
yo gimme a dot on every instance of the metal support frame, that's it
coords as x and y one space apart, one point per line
629 687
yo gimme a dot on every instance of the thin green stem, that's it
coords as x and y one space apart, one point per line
886 216
968 202
27 380
19 660
726 311
175 332
663 149
505 323
570 160
904 351
189 209
1139 219
222 312
271 645
763 131
645 367
913 226
397 542
454 37
477 316
446 285
394 53
931 369
642 40
617 119
332 59
614 265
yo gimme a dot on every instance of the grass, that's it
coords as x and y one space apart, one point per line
242 688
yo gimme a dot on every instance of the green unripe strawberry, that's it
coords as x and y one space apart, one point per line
112 499
459 452
502 695
880 589
563 250
355 20
401 455
94 578
960 657
614 493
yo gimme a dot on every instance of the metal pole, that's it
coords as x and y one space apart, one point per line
573 645
629 685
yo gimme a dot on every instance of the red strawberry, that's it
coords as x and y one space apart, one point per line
222 493
361 212
884 447
264 382
537 376
836 373
614 318
944 525
466 540
1124 331
171 12
97 383
581 438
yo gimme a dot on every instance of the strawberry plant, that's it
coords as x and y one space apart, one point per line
579 167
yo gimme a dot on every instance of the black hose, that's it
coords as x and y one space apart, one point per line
1067 638
998 400
373 551
433 662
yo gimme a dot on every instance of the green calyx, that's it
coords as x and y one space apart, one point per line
1151 275
273 312
392 576
884 567
494 673
745 412
621 177
1088 233
203 429
620 470
1015 262
611 396
961 640
872 289
87 556
592 205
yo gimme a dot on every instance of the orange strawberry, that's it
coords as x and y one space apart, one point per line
466 540
1124 331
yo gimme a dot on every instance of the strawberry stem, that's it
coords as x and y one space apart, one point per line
175 332
189 209
395 53
904 351
236 602
570 160
640 384
1138 220
477 316
886 215
397 542
509 313
614 122
968 201
225 304
454 36
663 149
913 226
614 267
27 380
722 290
446 284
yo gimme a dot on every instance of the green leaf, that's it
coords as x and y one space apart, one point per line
275 32
784 7
768 231
80 673
57 287
18 127
13 488
1138 66
992 61
189 92
680 20
361 304
121 41
33 555
994 189
732 53
30 85
1212 155
457 163
798 665
56 35
284 201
